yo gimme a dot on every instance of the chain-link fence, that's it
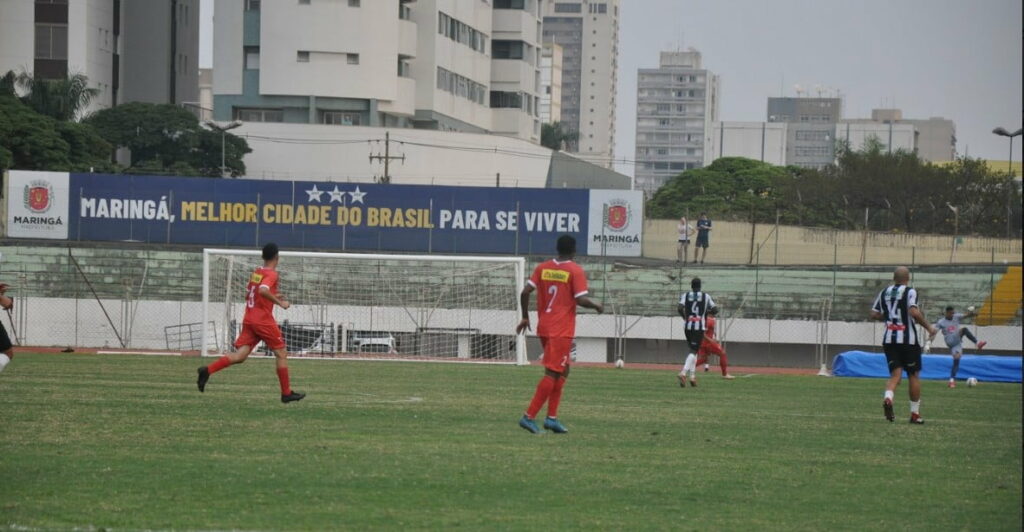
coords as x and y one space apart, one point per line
150 298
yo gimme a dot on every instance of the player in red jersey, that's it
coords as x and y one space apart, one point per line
561 285
709 346
259 325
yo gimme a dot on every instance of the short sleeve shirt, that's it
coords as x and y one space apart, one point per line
258 309
558 284
950 328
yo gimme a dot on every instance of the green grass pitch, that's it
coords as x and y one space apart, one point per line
126 442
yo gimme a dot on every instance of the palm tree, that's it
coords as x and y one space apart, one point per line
62 99
554 136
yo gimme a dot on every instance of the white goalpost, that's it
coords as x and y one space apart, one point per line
375 306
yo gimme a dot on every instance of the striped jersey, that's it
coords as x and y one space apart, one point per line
894 304
697 305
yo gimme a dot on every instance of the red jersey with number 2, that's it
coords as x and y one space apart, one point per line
258 309
558 284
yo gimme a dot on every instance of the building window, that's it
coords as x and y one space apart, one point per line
509 4
599 8
812 135
460 86
404 70
252 5
507 99
569 8
507 49
353 3
340 118
302 56
252 57
51 41
461 32
353 59
304 2
259 115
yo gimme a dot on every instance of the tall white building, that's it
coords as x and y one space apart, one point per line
430 64
131 51
551 83
677 104
588 32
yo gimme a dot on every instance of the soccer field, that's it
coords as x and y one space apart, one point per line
127 442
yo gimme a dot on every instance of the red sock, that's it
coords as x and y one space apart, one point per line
724 363
282 375
556 397
544 389
219 364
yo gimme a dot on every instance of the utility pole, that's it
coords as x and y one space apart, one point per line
387 158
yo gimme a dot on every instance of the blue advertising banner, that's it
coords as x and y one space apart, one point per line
339 216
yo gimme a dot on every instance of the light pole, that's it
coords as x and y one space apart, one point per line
1009 174
223 134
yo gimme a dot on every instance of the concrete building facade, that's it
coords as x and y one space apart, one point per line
935 138
761 141
677 104
890 137
810 141
130 51
588 32
770 141
430 158
550 83
430 64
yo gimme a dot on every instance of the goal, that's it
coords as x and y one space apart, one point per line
385 307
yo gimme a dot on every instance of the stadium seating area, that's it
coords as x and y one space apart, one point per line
650 289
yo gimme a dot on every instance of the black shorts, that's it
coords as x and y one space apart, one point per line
694 339
906 356
702 241
5 341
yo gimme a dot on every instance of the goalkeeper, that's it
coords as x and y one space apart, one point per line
953 333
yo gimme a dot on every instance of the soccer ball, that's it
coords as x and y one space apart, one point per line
620 363
970 308
972 382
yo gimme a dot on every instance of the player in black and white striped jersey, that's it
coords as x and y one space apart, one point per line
693 307
897 306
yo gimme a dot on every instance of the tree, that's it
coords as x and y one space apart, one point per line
31 141
731 187
555 136
60 99
166 139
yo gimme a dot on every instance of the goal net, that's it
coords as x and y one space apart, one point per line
390 307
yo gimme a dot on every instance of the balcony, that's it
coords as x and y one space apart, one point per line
514 23
514 123
514 71
404 103
407 38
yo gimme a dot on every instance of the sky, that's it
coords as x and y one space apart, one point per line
950 58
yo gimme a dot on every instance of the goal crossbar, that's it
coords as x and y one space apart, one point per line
419 307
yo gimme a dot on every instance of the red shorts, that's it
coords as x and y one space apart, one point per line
252 334
557 351
710 347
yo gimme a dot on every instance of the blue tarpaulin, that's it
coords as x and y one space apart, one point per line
985 368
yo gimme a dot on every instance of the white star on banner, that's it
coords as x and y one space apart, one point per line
357 196
314 194
336 195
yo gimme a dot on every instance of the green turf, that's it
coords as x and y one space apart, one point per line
127 442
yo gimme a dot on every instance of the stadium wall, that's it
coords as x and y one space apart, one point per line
80 322
745 243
